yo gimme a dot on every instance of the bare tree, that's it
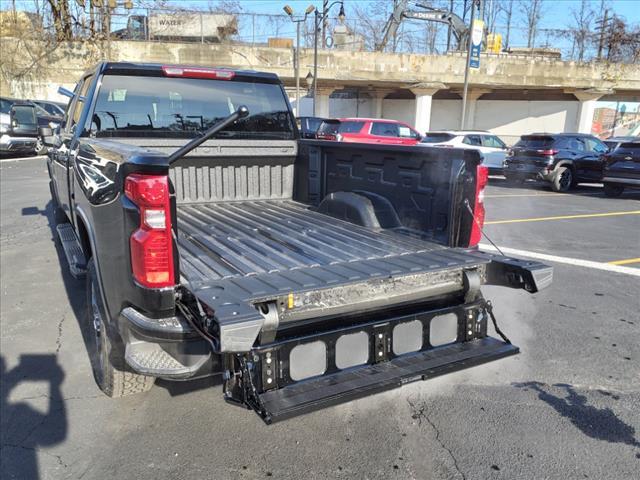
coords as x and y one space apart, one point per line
61 19
532 11
581 33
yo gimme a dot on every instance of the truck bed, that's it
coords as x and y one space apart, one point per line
235 255
235 241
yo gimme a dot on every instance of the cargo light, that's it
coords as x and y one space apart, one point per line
197 72
482 178
151 244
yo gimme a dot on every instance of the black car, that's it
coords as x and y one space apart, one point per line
309 126
614 142
563 159
622 169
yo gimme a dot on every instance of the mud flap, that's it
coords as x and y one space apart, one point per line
313 394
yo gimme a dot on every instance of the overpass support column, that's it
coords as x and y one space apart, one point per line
424 98
472 103
322 102
586 109
378 98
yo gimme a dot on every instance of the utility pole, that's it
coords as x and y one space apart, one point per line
449 27
466 68
603 27
315 59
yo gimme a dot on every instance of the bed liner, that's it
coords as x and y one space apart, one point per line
236 254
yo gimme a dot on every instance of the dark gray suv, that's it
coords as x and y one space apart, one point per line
563 159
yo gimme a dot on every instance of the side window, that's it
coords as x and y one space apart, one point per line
472 140
595 145
492 141
577 144
406 132
384 129
79 104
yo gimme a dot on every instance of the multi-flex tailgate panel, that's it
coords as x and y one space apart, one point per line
347 385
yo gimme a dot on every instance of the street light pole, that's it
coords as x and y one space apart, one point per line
297 69
297 19
315 60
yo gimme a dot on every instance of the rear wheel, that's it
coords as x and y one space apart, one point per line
613 190
110 370
40 149
563 180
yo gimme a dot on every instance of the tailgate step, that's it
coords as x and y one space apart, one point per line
329 390
72 250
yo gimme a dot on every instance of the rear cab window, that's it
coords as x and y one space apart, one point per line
178 107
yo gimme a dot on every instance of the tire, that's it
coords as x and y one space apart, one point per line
613 191
563 180
110 370
59 217
41 148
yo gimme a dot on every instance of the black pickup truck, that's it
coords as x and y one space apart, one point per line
306 273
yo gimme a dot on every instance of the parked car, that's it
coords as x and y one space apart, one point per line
563 159
614 142
18 127
306 273
308 126
622 169
493 150
368 130
55 109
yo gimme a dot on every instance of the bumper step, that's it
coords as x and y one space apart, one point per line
329 390
72 250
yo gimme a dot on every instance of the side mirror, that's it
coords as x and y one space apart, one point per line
49 138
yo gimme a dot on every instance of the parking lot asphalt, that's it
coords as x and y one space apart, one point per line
567 407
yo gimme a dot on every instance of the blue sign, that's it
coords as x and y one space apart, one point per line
476 43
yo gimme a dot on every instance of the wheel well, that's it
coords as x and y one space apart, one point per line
84 238
567 164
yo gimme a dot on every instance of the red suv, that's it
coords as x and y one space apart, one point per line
368 130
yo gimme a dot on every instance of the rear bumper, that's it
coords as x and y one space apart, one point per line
527 171
17 144
167 347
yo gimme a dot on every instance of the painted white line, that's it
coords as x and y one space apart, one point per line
7 160
566 260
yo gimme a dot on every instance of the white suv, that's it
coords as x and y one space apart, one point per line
492 148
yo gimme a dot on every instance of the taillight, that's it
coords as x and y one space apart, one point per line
151 244
482 178
198 72
547 151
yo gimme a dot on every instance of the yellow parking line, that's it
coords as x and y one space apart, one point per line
625 262
563 217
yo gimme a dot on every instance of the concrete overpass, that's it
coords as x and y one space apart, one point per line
507 95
